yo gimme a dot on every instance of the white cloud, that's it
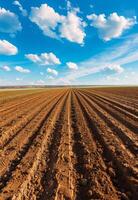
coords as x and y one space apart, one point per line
9 22
118 55
49 59
46 18
116 67
44 58
72 28
6 48
21 69
55 25
18 4
52 71
6 68
33 57
72 66
112 26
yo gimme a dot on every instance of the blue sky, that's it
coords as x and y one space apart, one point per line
68 42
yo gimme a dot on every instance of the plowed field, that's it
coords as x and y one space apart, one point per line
69 144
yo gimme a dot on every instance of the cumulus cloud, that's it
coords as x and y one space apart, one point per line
112 26
22 70
33 57
46 18
49 59
44 58
52 71
54 25
72 66
9 22
72 28
6 68
18 4
117 68
6 48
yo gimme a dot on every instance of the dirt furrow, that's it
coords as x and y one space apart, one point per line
69 144
121 105
120 133
93 179
8 120
24 178
15 100
19 103
17 149
124 100
58 178
118 98
129 122
14 130
117 108
125 167
65 175
128 137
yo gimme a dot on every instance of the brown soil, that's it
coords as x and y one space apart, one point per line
69 144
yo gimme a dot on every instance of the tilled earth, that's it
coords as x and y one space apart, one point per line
69 144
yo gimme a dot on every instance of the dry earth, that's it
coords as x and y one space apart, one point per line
69 144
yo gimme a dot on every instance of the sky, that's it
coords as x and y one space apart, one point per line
68 42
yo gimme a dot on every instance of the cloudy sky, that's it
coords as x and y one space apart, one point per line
68 42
